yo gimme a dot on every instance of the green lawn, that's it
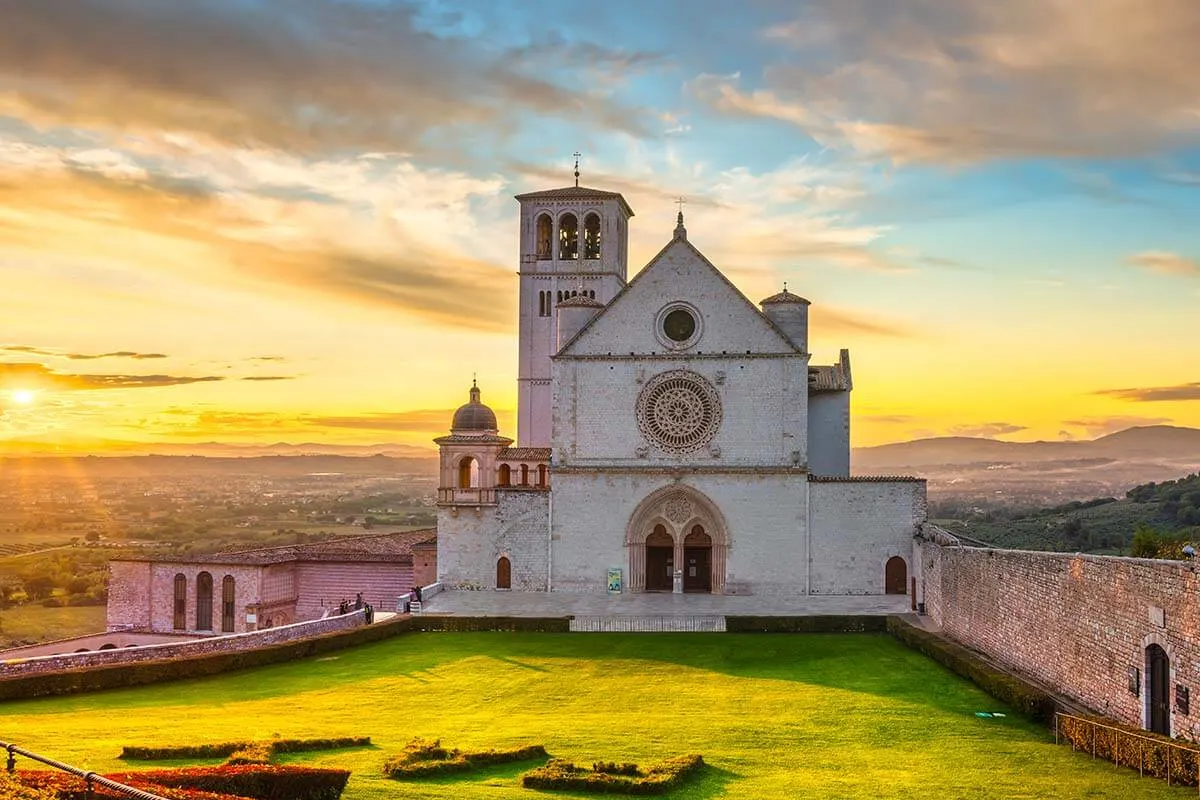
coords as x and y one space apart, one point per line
787 716
34 622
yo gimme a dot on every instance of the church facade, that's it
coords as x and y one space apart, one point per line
672 436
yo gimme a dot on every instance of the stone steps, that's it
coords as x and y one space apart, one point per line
648 624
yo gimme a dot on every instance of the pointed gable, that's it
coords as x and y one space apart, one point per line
679 274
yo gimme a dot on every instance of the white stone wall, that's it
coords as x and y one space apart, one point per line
471 541
857 526
829 433
763 413
764 517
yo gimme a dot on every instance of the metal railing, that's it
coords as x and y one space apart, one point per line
1126 733
91 779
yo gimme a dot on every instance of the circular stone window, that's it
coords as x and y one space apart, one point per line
677 326
678 411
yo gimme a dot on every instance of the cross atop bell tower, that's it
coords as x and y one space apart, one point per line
574 240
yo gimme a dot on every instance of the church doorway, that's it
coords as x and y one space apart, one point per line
503 573
697 561
895 576
1158 689
660 560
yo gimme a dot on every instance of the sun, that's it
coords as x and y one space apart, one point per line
24 397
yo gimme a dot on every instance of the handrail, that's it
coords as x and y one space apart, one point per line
1126 732
90 777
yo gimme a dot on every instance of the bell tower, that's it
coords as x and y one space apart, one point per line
574 241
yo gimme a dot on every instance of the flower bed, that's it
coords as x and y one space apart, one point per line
422 758
613 778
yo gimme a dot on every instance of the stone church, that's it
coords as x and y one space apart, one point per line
672 436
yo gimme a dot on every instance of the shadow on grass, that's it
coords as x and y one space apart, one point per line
708 783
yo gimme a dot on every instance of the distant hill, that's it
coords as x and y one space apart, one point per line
268 466
1154 441
1033 474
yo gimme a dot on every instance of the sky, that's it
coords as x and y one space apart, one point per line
293 220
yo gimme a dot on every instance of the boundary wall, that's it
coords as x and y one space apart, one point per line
1079 623
158 652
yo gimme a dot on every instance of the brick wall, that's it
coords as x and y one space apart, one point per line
211 644
1075 622
323 585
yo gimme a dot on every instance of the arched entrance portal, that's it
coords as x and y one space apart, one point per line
677 530
697 561
660 560
1158 689
895 576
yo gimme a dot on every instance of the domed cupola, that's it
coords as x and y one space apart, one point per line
474 417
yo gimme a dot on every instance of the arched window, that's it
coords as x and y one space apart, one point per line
228 592
204 602
505 477
592 294
541 475
524 474
560 297
574 293
503 573
591 236
180 621
468 473
544 236
568 237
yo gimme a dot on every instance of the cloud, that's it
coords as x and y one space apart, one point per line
1102 426
1165 263
26 375
267 358
410 421
987 429
1183 391
299 75
270 378
830 321
117 354
395 258
888 419
926 82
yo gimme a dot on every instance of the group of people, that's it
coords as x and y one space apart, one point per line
345 607
413 596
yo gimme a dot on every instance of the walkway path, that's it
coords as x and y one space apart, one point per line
555 604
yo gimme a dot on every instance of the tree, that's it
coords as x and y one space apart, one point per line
38 587
1145 542
92 536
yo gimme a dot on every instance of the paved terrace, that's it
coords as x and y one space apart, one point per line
555 604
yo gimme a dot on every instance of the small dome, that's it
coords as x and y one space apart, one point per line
474 416
784 297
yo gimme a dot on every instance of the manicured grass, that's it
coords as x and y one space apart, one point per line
35 622
776 716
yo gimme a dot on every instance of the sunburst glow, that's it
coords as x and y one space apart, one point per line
24 397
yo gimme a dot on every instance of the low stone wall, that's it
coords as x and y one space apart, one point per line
158 652
1079 623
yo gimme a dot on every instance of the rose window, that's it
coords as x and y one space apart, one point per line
678 411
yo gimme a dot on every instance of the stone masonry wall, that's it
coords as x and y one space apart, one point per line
1075 622
156 652
471 541
857 525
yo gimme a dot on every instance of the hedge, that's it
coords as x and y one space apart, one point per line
114 676
1015 692
259 781
256 753
65 786
224 749
422 758
829 623
659 779
13 789
468 624
1152 753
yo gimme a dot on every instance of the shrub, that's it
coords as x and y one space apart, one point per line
1017 693
256 753
820 623
259 781
64 786
464 624
226 749
1132 747
659 779
13 789
611 768
423 758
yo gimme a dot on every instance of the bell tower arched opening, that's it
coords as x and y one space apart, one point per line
468 473
568 237
591 236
